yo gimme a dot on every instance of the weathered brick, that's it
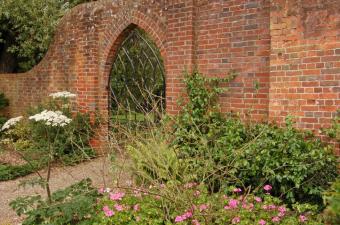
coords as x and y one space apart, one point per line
250 5
251 27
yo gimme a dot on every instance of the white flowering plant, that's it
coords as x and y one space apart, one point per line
10 123
52 118
63 94
50 132
70 132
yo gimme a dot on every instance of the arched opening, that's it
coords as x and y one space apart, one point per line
137 81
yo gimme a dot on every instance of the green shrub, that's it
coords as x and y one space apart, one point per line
332 199
298 166
72 205
222 150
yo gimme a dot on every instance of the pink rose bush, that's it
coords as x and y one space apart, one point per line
146 207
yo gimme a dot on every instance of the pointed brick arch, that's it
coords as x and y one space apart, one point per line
116 37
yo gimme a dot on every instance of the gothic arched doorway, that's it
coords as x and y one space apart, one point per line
137 81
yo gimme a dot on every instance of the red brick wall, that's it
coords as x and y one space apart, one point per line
289 49
235 35
305 62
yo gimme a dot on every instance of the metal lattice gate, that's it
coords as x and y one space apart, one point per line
137 81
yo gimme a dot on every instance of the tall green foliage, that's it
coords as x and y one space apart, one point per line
31 24
222 150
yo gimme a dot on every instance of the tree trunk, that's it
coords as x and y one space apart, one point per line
8 62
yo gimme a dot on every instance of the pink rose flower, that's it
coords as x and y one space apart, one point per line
262 222
188 214
190 185
106 208
267 187
282 209
101 190
119 207
237 190
136 207
179 219
109 213
302 218
183 217
233 203
117 196
258 199
271 207
276 219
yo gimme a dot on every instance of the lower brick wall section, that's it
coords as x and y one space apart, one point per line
22 90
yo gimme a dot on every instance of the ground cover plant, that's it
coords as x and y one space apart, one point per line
71 205
193 204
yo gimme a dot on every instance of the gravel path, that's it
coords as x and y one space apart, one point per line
97 169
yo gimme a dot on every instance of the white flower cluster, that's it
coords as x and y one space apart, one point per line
63 94
11 122
52 118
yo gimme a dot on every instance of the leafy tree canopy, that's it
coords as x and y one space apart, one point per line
26 30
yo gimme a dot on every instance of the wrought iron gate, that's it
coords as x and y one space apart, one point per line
137 81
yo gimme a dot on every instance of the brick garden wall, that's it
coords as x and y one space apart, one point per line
287 54
305 62
234 35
